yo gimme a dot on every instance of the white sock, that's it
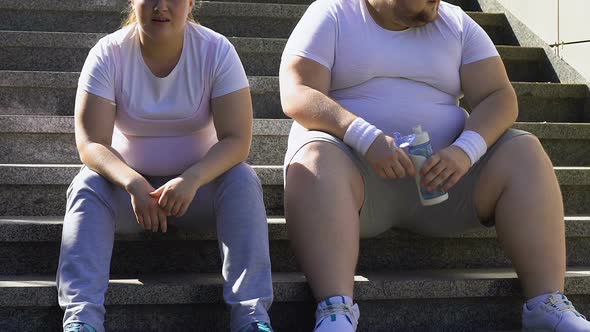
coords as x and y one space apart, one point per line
336 314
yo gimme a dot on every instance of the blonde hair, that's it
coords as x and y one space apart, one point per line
132 19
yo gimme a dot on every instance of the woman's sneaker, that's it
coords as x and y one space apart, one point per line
78 327
557 314
257 327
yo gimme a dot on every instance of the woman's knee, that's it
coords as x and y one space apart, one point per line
89 185
242 174
238 192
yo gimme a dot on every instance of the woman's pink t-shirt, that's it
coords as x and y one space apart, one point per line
163 125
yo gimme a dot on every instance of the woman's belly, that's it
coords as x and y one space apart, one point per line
164 155
398 105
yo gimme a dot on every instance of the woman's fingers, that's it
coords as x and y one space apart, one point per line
176 208
183 209
147 221
139 218
154 218
163 220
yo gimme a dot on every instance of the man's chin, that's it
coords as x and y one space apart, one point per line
424 21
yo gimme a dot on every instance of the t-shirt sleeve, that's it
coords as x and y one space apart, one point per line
229 74
98 73
476 43
314 37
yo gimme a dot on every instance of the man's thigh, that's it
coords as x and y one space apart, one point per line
381 203
320 173
459 213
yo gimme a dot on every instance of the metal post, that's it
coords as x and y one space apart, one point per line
558 36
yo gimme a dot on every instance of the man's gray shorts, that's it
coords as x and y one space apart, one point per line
395 203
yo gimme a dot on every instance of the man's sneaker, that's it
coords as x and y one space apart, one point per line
78 327
336 314
257 327
557 314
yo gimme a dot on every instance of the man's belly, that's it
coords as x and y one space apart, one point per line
399 105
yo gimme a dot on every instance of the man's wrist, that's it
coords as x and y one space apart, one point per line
472 144
360 135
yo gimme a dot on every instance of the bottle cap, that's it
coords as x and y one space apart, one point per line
421 136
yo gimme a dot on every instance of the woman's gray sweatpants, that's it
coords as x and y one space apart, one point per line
96 209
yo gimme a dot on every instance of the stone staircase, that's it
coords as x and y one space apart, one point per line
171 282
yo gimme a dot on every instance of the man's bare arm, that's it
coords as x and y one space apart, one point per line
304 97
491 97
494 109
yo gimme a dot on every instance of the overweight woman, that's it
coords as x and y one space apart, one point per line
163 126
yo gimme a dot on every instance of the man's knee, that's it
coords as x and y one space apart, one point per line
313 163
523 149
321 166
519 156
515 161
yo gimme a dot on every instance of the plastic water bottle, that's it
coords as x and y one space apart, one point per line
420 150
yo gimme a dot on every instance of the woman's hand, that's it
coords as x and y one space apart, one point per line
447 166
146 208
176 195
388 160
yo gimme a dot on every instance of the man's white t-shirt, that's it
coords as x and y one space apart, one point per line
393 79
163 125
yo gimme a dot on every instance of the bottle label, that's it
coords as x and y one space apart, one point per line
419 154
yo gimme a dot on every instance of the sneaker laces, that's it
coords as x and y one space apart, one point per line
257 327
263 327
73 327
78 327
337 309
560 303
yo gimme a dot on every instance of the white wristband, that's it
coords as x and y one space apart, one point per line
360 135
473 144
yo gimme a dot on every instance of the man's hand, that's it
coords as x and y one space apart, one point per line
176 195
447 166
388 160
146 208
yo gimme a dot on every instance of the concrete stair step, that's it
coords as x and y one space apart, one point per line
245 19
31 245
429 300
26 139
53 140
60 51
39 190
53 93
